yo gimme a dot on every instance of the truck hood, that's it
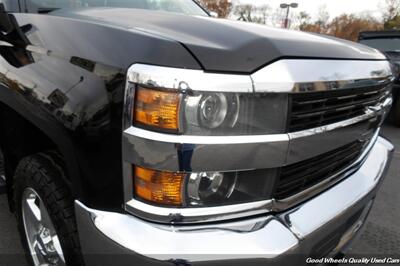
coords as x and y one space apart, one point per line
225 45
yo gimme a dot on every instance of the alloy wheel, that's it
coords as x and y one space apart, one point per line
42 238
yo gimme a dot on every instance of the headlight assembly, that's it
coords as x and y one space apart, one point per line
209 113
201 189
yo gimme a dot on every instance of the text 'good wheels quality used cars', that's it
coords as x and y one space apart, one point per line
148 133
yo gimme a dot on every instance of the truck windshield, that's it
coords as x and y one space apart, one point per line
383 44
188 7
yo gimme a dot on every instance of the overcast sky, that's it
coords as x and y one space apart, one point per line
334 7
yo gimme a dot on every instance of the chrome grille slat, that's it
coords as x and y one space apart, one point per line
300 176
309 110
340 106
292 170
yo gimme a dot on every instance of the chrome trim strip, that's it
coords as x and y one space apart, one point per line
282 76
211 214
195 215
319 75
206 153
206 140
322 129
184 79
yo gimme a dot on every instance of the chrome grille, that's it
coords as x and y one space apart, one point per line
310 110
298 177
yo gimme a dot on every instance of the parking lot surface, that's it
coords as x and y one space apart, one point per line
381 235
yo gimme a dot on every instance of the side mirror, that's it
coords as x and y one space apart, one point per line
13 40
6 26
213 14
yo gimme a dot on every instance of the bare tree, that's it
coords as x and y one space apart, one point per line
322 17
275 17
390 9
251 13
345 26
303 19
244 12
391 16
263 12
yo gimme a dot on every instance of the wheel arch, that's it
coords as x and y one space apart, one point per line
23 132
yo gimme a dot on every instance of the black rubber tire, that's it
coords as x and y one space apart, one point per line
42 172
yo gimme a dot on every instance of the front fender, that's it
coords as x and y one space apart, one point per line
67 78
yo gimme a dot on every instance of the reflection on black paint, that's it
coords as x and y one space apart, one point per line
13 34
79 100
69 76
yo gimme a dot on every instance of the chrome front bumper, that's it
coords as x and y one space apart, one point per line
333 217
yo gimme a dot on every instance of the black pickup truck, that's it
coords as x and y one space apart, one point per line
145 132
388 42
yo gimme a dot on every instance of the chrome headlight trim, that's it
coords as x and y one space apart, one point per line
199 140
188 79
283 76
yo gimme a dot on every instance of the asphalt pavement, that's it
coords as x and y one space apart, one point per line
381 235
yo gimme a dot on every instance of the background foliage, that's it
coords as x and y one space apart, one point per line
346 26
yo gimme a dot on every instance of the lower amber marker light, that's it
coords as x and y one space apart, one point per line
163 188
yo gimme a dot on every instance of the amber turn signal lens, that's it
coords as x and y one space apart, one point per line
159 187
156 108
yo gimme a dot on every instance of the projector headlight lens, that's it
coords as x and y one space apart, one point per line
213 110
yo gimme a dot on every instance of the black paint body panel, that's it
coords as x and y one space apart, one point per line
69 82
